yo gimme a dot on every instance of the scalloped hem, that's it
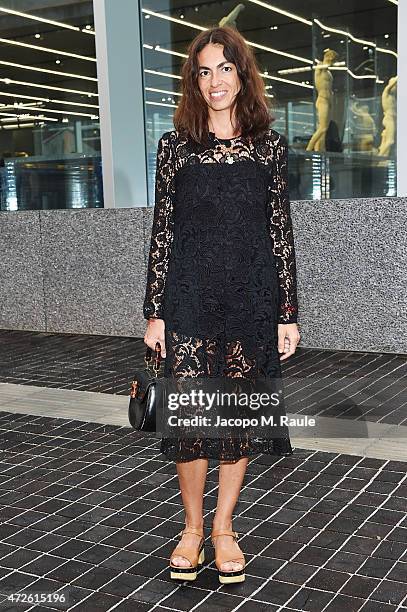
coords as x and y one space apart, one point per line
223 450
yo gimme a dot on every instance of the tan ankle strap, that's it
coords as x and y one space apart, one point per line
227 532
194 530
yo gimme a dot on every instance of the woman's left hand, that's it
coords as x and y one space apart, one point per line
288 338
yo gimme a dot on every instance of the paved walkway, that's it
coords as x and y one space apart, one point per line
90 509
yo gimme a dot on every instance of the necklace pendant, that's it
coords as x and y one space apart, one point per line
229 159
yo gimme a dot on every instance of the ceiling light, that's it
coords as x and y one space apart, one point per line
46 70
173 19
282 53
289 81
62 112
41 19
165 74
8 41
169 51
89 94
161 104
294 70
17 126
275 9
165 91
357 40
52 100
14 116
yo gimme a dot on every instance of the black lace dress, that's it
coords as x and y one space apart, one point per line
221 269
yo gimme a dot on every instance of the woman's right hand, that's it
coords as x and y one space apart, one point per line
155 332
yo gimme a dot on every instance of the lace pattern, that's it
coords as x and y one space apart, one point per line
188 356
173 153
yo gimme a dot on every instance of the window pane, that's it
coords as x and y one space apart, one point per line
49 120
330 69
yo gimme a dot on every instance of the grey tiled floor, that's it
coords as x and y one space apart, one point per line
91 510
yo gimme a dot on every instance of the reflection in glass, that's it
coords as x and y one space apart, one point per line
329 68
49 116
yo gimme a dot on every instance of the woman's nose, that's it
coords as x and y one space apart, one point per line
215 80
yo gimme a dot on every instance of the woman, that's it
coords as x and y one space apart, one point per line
221 284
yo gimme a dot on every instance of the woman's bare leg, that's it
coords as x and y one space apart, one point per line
231 477
192 478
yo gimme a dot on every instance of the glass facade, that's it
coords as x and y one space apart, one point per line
49 117
330 69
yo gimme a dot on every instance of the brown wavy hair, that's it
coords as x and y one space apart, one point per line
252 109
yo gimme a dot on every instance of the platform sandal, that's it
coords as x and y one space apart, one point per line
220 558
195 555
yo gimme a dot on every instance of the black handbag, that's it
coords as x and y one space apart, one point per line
146 392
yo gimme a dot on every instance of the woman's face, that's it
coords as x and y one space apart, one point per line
217 78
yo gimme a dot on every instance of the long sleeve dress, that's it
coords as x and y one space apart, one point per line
221 269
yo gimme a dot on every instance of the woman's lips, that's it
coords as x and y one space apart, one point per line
218 95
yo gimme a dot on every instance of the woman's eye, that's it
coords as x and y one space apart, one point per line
204 73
